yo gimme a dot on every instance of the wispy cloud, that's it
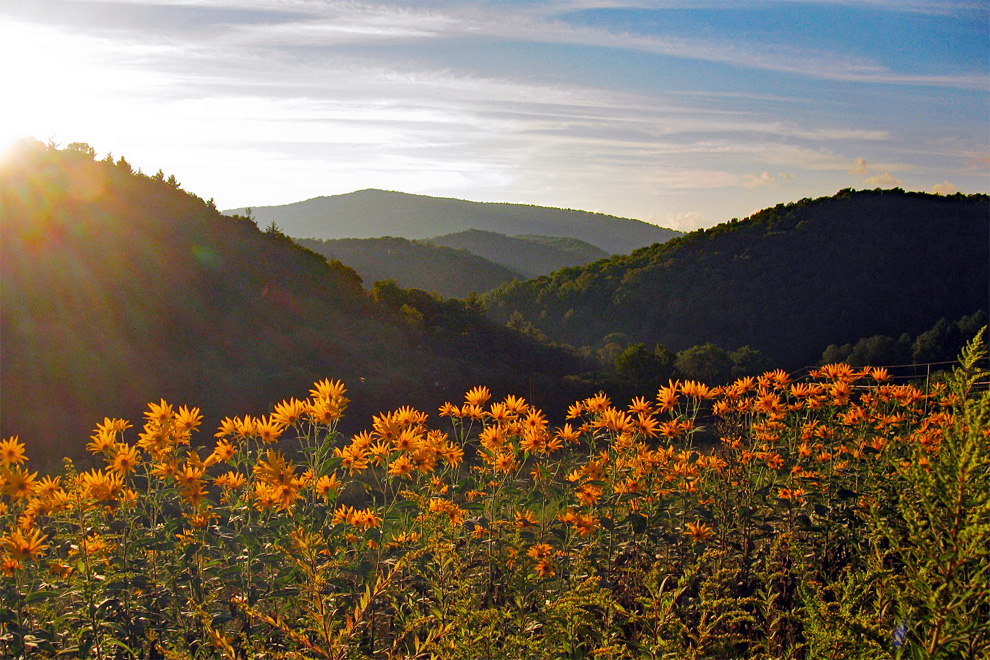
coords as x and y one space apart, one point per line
884 180
297 98
944 188
341 23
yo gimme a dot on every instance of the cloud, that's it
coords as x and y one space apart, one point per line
684 221
884 180
978 165
944 188
859 167
764 179
549 25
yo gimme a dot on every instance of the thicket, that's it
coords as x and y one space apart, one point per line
840 516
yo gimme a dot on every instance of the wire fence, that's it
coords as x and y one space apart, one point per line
913 372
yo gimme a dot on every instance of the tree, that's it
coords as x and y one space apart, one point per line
82 148
640 370
933 345
748 361
705 362
880 350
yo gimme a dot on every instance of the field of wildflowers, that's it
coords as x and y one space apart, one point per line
836 516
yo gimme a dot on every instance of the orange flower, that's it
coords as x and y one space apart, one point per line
567 434
696 390
353 458
20 546
640 406
505 462
597 403
525 519
325 485
585 524
667 397
401 467
879 374
699 531
12 452
230 480
268 431
159 413
329 389
100 485
588 494
796 494
288 412
187 419
224 451
477 396
125 459
774 461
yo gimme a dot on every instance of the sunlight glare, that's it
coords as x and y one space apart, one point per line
62 86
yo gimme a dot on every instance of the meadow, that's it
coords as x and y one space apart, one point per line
837 515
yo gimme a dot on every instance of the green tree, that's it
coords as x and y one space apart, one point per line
705 362
880 350
641 370
82 148
748 361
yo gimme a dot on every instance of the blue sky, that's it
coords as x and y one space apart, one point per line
683 113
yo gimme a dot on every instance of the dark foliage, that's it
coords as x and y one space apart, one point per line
787 281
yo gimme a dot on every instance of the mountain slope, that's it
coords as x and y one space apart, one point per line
788 281
374 213
530 255
450 272
118 289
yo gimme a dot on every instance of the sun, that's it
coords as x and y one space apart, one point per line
53 84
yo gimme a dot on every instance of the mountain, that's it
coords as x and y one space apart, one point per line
118 288
453 273
527 254
374 213
787 281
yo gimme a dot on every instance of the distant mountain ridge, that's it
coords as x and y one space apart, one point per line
374 213
528 254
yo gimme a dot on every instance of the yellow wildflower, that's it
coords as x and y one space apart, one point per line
12 452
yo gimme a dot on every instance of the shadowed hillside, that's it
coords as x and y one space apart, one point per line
374 213
451 273
119 288
530 255
788 281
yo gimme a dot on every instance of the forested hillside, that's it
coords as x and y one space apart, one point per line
530 255
788 281
419 265
119 288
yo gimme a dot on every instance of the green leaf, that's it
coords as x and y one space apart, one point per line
39 596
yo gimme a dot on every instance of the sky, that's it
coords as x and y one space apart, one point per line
683 113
